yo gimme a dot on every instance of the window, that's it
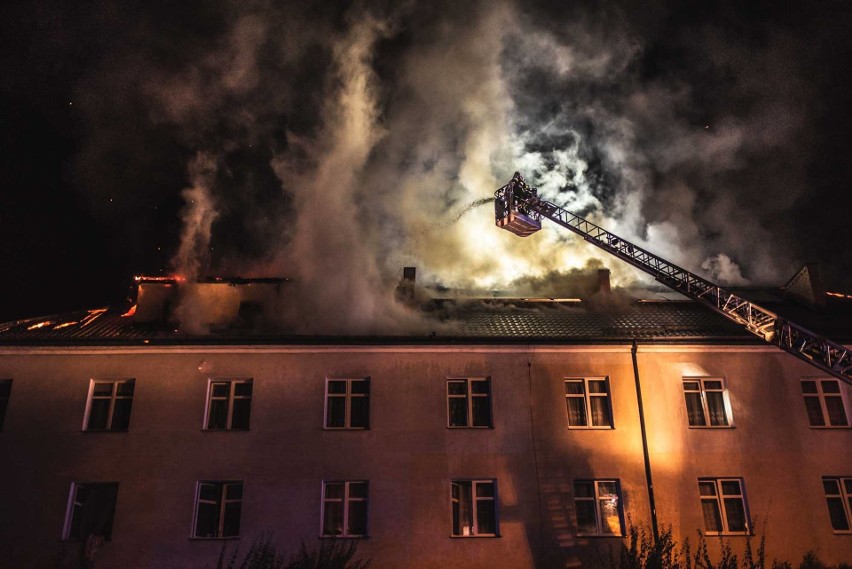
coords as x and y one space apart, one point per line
469 402
347 403
108 406
723 504
587 402
91 509
344 509
824 403
474 504
218 506
706 402
228 405
838 494
599 508
5 391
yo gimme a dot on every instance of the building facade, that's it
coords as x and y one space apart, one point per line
434 452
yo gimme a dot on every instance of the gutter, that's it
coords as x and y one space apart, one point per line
648 480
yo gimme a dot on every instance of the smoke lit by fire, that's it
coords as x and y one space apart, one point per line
336 148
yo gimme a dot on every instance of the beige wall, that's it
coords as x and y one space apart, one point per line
408 455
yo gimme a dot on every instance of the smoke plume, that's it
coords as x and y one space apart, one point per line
336 145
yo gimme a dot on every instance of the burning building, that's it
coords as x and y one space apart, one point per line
520 432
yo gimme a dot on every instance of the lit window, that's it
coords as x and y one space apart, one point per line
109 404
469 402
91 508
218 506
474 505
347 403
599 508
5 392
344 509
838 494
824 403
587 402
724 507
228 405
706 402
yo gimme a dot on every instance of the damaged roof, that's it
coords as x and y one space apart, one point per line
484 321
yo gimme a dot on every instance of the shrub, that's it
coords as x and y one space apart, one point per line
262 554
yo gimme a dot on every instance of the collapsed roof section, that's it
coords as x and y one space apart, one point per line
218 310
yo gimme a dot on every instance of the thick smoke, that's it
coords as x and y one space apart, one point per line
337 146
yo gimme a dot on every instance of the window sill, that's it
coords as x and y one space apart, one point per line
729 534
346 428
830 427
711 427
593 428
477 536
471 428
225 430
344 537
105 431
230 538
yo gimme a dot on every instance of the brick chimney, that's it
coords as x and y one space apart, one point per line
405 288
603 281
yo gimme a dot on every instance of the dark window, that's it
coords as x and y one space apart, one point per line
5 392
91 510
474 507
599 507
218 506
344 509
824 403
587 402
838 495
706 402
723 505
469 402
109 405
229 405
347 403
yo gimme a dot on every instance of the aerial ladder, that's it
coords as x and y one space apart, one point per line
519 210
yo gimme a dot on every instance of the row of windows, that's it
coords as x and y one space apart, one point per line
473 503
347 403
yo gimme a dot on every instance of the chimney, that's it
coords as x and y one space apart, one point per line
405 288
806 286
603 281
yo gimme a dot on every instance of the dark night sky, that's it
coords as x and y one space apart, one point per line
93 162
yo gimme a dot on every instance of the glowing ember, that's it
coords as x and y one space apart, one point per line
839 295
40 325
64 325
130 312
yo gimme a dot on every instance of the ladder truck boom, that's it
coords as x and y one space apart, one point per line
519 209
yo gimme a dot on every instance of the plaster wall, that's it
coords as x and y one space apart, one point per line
408 455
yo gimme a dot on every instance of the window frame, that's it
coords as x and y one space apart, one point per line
719 499
820 395
72 503
587 401
347 396
474 482
597 498
726 402
4 400
232 396
469 397
845 497
113 397
221 502
346 501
